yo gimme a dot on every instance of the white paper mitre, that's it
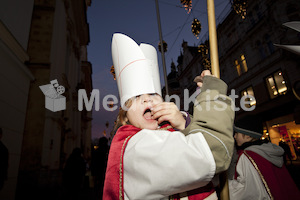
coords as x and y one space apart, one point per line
136 68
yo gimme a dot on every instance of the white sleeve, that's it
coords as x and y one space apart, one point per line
248 184
161 163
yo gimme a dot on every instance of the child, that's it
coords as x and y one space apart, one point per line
149 160
259 172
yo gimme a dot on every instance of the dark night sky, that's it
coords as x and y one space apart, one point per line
138 20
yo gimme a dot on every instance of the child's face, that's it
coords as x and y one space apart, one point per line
241 138
139 114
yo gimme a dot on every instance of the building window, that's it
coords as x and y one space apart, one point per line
241 65
249 97
276 84
238 67
244 63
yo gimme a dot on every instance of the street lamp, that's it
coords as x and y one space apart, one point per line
162 52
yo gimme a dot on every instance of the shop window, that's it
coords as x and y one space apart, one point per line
241 65
276 84
249 97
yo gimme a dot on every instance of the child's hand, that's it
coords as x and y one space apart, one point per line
168 111
199 79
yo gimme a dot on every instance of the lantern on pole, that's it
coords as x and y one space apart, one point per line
196 27
240 7
165 46
187 4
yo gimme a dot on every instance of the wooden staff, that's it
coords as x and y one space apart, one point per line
214 59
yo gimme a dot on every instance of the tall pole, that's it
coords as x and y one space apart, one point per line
214 59
213 43
162 51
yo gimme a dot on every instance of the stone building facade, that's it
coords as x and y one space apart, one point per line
251 64
15 79
43 40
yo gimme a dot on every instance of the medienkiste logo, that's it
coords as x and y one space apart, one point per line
54 100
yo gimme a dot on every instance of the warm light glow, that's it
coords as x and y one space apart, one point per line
252 102
282 90
244 63
240 7
187 4
238 67
196 27
203 49
249 91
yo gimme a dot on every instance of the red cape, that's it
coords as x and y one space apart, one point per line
114 178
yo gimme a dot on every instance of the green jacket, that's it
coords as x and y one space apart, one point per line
213 116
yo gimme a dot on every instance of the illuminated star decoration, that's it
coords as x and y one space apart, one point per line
187 4
196 27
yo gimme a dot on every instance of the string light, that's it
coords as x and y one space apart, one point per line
187 4
240 7
196 27
206 63
203 50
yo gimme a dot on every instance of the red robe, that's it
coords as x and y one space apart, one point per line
114 182
277 180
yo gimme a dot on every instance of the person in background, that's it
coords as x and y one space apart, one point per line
287 151
98 166
3 162
260 172
73 175
148 159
